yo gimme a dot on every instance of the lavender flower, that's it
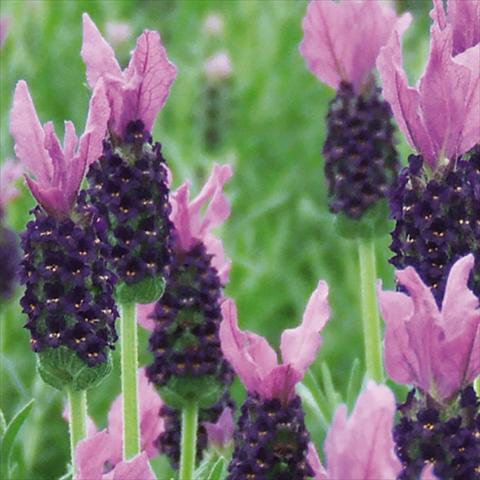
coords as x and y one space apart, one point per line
360 447
10 172
129 184
435 200
271 440
69 291
360 159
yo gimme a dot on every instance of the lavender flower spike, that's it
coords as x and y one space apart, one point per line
57 172
136 93
360 447
272 415
220 433
436 350
441 116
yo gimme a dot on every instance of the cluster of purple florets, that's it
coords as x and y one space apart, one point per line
129 188
361 162
271 441
437 220
185 341
68 288
9 260
427 433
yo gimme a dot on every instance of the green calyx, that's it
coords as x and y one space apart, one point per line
179 392
148 290
374 223
63 369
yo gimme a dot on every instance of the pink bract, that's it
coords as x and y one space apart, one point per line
335 43
436 350
464 17
106 446
361 446
255 361
10 172
192 225
57 172
138 92
441 116
220 433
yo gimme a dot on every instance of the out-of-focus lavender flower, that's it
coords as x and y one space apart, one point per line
272 415
436 350
360 159
360 447
440 117
118 32
218 67
100 455
4 28
10 172
213 25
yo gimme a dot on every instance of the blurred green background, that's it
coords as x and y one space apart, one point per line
280 235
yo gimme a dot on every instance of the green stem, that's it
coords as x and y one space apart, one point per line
129 361
78 420
370 316
477 386
189 441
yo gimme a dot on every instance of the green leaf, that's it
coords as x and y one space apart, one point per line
308 399
213 467
3 423
332 395
9 437
319 397
354 383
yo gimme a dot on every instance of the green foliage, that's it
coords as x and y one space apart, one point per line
8 437
213 467
280 235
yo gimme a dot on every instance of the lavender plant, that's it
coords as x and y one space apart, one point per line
127 233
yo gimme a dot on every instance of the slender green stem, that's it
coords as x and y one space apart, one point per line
78 420
477 386
189 441
129 361
370 316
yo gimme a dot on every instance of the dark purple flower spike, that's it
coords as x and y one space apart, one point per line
69 291
360 158
129 184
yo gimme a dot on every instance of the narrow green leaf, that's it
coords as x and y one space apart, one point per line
309 402
9 437
3 423
332 395
218 470
354 383
320 399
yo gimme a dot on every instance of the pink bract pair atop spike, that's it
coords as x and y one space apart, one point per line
255 361
436 350
136 93
441 116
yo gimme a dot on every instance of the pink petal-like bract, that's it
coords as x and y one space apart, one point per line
55 174
144 312
140 91
10 172
255 361
151 424
315 463
334 43
361 447
91 456
299 346
220 433
440 117
138 468
437 351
